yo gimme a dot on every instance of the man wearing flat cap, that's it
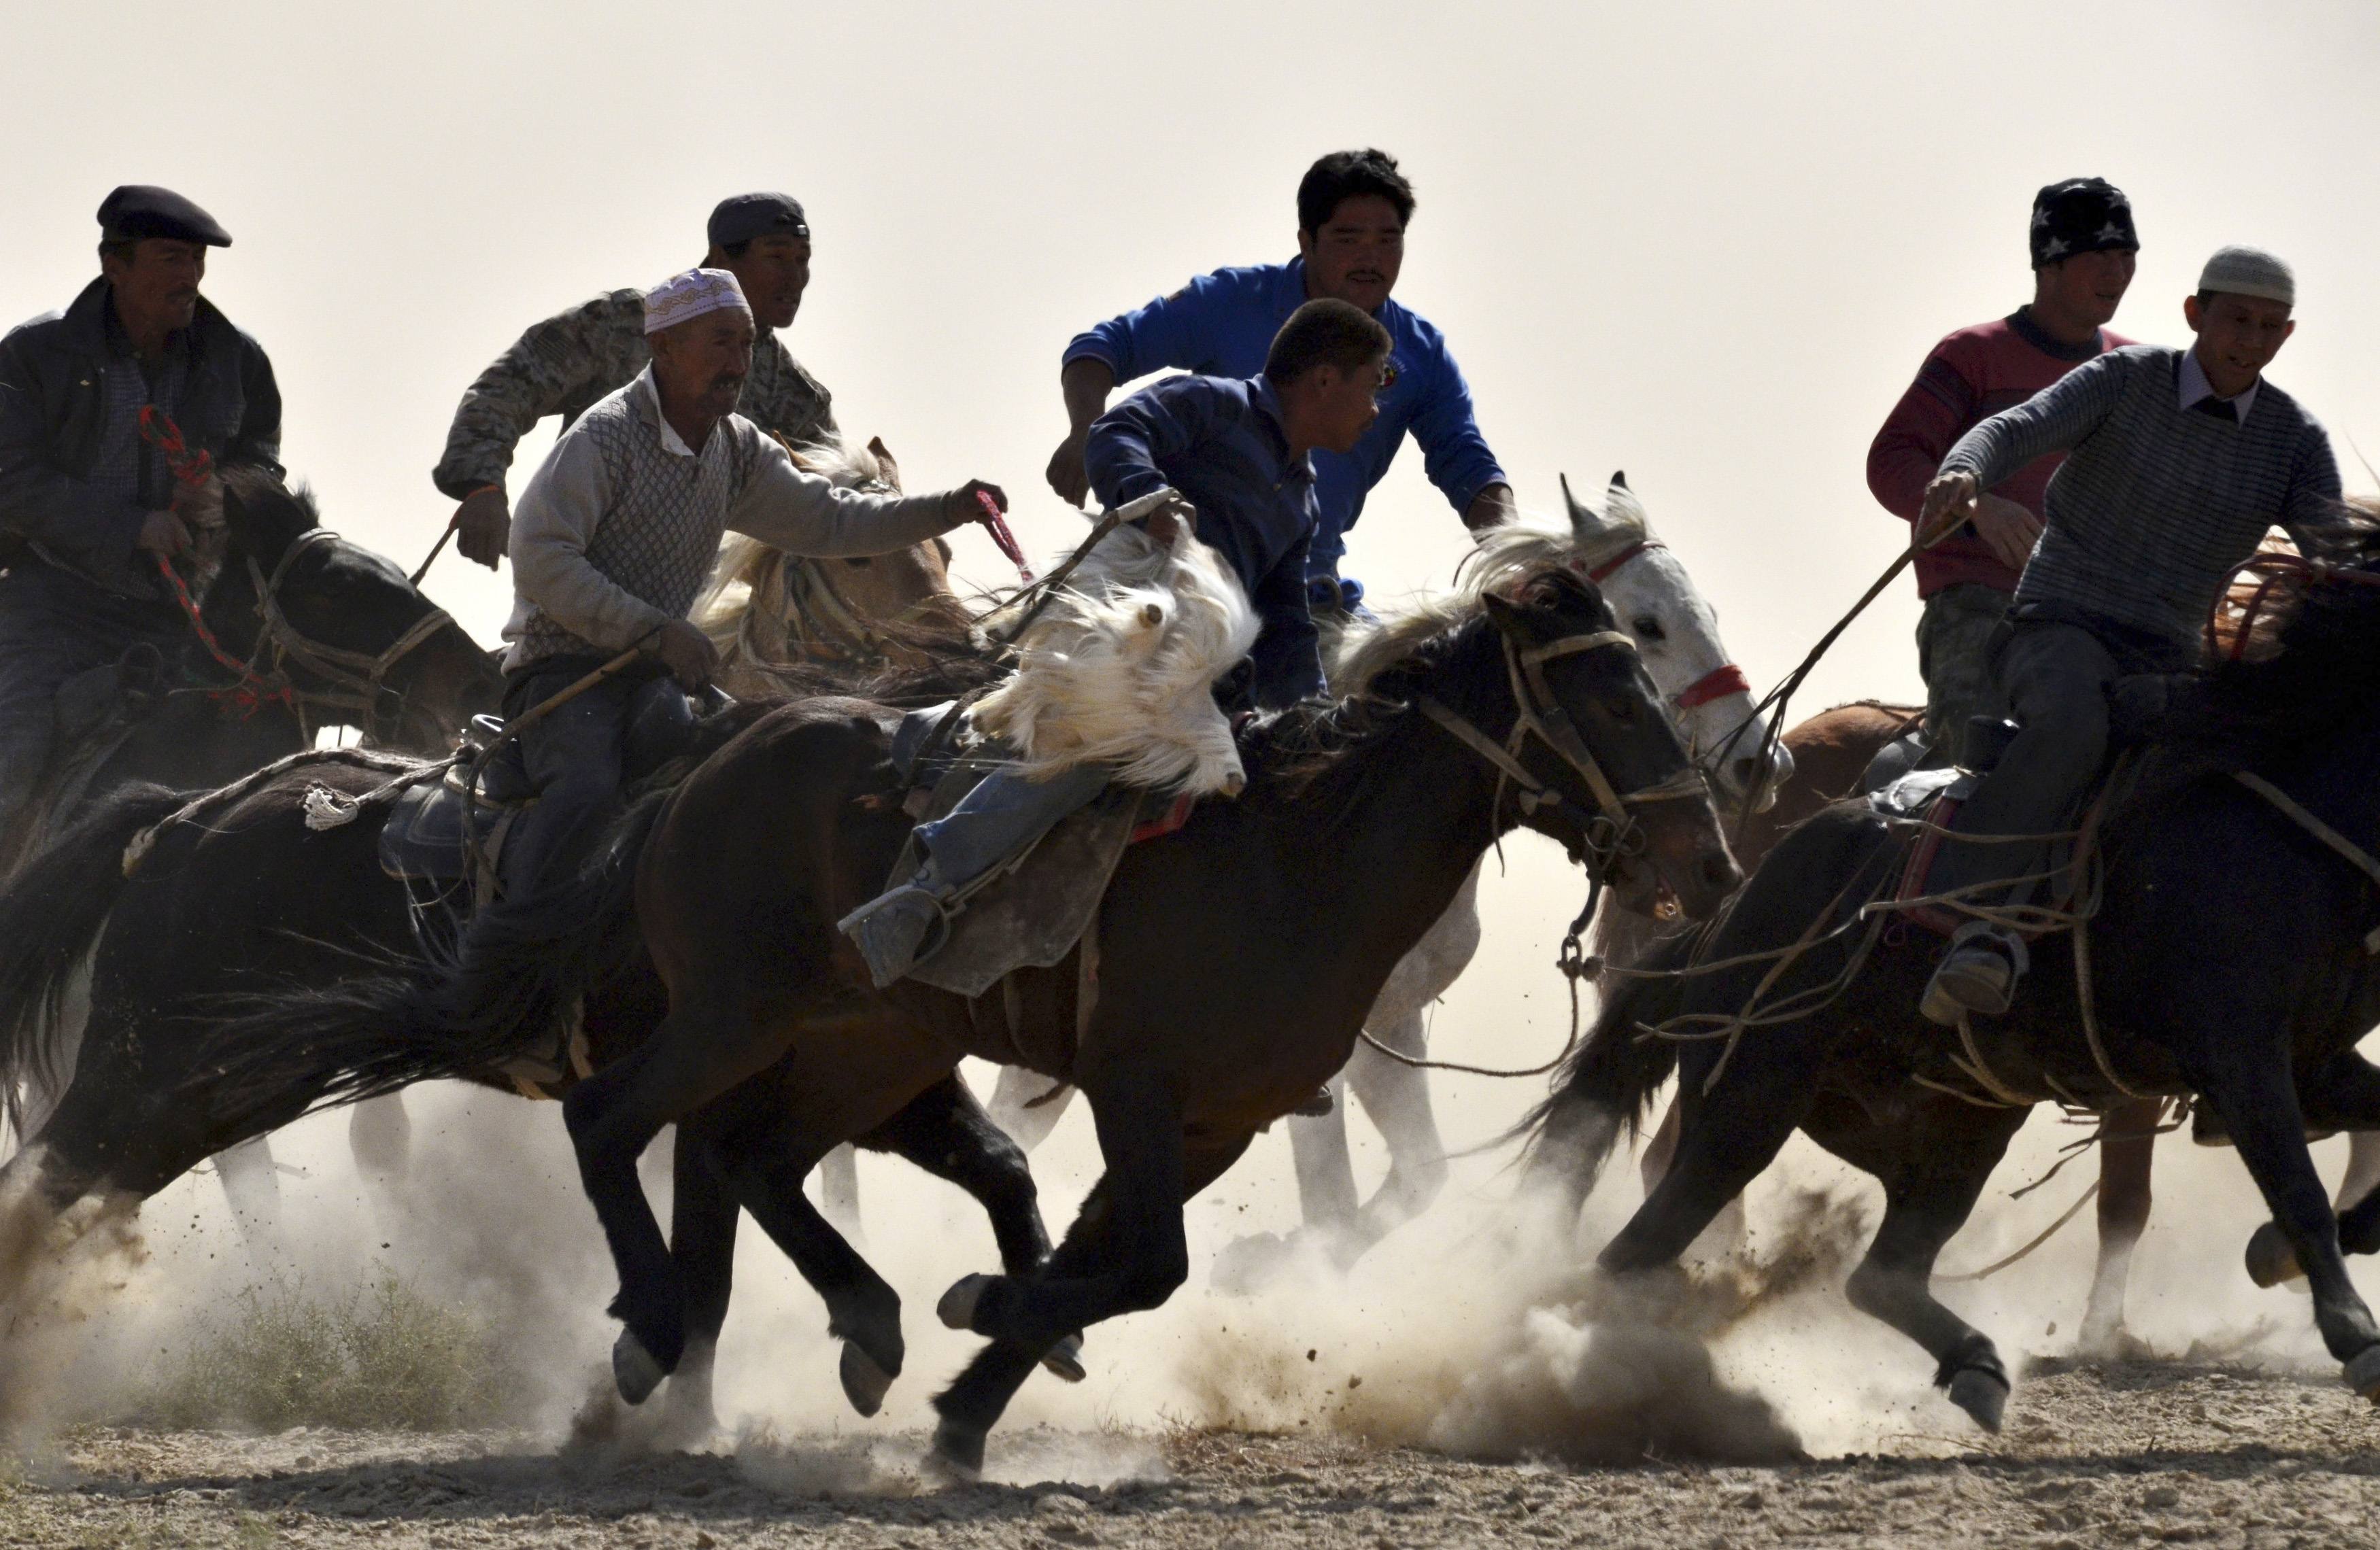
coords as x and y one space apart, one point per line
2177 463
617 533
2084 247
564 364
87 506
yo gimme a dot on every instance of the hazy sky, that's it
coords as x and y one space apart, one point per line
1704 243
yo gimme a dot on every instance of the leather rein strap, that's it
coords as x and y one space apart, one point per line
358 677
1538 715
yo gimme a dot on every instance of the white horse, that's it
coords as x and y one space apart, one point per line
1676 632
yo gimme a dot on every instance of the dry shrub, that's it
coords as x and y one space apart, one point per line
384 1357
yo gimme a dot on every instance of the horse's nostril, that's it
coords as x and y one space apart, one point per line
1720 871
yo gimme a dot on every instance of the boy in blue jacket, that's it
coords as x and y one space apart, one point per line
1237 450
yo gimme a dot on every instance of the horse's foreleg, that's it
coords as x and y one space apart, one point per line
2362 1175
2126 1152
2247 1080
1094 1267
1728 1229
380 1136
1726 1138
1396 1095
251 1185
838 1177
947 1133
2346 1097
1927 1200
1326 1168
1018 1106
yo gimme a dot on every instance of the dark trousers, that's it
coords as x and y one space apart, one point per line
574 760
55 625
2056 672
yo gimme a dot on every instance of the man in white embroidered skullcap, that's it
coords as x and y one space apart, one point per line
2179 462
613 538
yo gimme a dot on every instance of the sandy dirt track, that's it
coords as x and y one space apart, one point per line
2092 1456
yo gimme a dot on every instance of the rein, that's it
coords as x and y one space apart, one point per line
358 678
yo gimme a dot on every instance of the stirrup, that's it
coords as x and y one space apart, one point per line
1962 984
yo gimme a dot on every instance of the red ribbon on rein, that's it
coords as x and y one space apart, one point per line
998 526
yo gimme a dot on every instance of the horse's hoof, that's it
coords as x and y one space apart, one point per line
957 1453
1984 1394
957 1308
1065 1359
863 1383
2364 1373
634 1369
2271 1261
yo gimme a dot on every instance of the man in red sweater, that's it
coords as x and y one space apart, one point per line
2084 247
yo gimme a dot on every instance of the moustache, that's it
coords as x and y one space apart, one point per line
727 380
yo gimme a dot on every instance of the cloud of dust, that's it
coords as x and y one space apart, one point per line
1476 1329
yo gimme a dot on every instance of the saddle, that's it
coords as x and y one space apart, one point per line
444 831
1031 913
1934 797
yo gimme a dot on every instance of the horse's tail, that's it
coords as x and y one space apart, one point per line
51 915
522 974
1603 1090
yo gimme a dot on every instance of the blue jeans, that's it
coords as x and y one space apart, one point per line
574 760
999 819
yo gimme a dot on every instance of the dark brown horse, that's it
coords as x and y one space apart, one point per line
1231 962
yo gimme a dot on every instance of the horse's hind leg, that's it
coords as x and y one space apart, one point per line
2348 1099
1396 1095
703 1216
944 1131
2126 1152
1928 1192
701 1050
751 1140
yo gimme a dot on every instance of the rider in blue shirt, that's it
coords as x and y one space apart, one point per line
1239 452
1352 211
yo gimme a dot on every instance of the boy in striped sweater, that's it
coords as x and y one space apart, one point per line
2179 462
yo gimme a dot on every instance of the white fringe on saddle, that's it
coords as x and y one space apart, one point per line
1120 666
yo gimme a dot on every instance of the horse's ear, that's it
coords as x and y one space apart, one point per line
1620 479
1621 506
1585 523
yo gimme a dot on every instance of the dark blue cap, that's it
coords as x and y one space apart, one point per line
139 210
745 216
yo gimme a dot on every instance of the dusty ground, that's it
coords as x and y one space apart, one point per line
2092 1456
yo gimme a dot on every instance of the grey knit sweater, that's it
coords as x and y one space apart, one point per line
2155 504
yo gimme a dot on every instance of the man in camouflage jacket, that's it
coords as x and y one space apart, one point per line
568 362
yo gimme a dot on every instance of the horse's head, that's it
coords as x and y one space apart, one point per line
911 585
1676 634
1599 735
359 645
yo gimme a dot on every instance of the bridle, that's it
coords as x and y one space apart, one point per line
357 680
1719 681
1613 831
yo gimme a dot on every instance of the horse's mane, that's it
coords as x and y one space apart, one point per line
2325 663
1507 561
1383 674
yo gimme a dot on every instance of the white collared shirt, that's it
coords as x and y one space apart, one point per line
2195 386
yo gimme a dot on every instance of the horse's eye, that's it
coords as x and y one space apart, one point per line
1648 628
1622 711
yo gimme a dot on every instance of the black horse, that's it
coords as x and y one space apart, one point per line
242 895
307 630
2227 957
1236 960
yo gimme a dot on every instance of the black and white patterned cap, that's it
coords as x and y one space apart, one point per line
2081 215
